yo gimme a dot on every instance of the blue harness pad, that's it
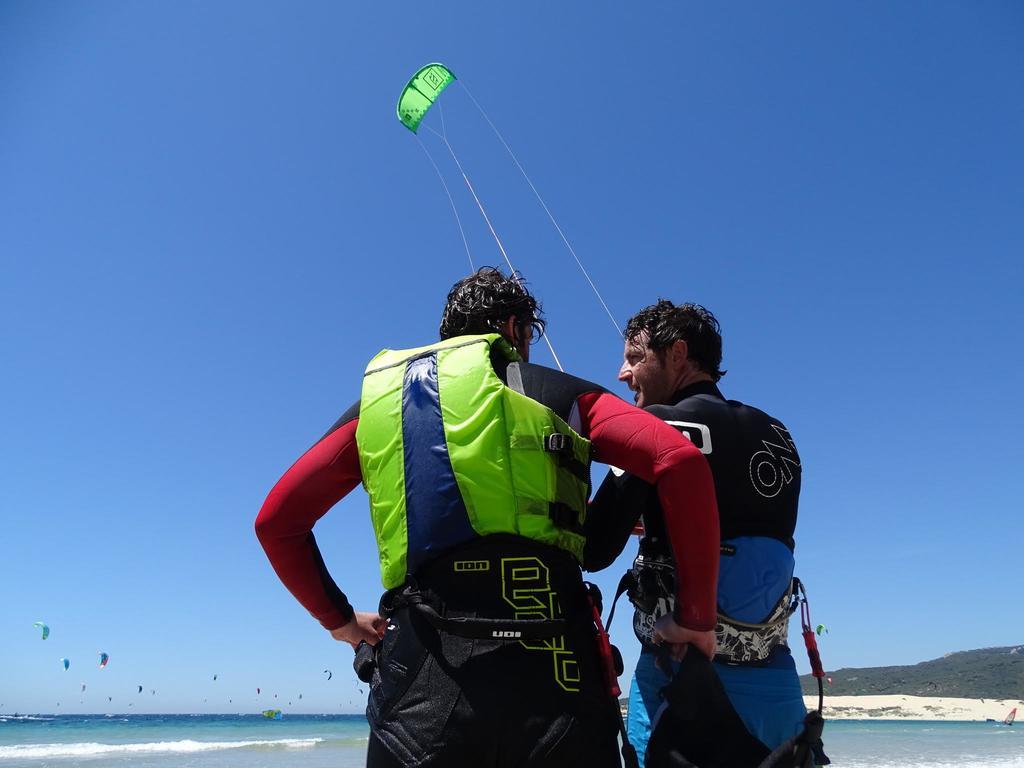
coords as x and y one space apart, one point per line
753 579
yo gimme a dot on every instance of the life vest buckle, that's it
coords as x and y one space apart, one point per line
557 443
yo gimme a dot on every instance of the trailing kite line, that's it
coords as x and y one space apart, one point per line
490 226
618 328
455 210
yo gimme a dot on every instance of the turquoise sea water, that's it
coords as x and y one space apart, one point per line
175 741
339 741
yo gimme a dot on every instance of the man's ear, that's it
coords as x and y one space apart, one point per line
508 330
678 353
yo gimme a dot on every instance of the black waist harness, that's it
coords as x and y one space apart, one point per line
475 627
501 609
501 587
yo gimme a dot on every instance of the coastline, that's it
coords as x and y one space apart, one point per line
900 707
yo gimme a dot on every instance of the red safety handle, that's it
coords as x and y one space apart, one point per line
805 624
812 653
604 650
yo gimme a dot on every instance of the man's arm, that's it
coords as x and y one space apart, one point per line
315 483
612 517
645 446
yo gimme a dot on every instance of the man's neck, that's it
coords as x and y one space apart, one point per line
690 377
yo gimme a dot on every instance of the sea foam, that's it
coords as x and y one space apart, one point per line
94 749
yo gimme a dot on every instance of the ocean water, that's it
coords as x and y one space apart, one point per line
339 741
176 741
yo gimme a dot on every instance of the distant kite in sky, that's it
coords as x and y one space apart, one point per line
42 626
83 688
104 658
140 689
66 663
821 628
328 673
215 677
257 691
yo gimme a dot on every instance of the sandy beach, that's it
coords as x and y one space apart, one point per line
914 708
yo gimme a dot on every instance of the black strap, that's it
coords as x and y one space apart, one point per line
562 446
565 517
805 750
626 583
365 661
492 629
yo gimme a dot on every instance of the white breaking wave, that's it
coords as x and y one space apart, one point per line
973 761
93 749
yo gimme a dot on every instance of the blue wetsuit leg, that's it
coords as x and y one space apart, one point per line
644 702
768 699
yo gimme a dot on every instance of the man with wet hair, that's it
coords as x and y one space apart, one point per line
672 364
485 651
485 301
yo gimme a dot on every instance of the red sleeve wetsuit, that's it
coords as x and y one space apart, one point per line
621 434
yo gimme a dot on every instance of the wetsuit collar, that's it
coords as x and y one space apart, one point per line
698 388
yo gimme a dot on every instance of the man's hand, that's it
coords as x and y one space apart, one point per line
676 637
363 626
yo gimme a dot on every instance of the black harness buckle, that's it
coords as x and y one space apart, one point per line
557 443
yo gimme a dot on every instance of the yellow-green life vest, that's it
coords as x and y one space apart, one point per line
449 453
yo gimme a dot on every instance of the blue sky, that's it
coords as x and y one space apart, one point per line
210 219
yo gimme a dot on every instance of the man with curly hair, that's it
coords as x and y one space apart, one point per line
672 363
485 651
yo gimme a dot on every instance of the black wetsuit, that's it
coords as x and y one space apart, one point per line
753 460
756 471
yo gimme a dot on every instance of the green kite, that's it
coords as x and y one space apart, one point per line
421 92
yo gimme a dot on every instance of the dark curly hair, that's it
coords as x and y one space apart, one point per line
481 302
667 323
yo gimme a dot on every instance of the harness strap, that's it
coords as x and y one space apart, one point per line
471 627
787 599
492 629
626 583
515 378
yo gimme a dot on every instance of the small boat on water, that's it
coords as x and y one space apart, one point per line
1008 721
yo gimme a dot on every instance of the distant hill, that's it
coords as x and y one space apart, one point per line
987 673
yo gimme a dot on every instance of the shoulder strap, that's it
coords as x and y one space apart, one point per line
515 378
